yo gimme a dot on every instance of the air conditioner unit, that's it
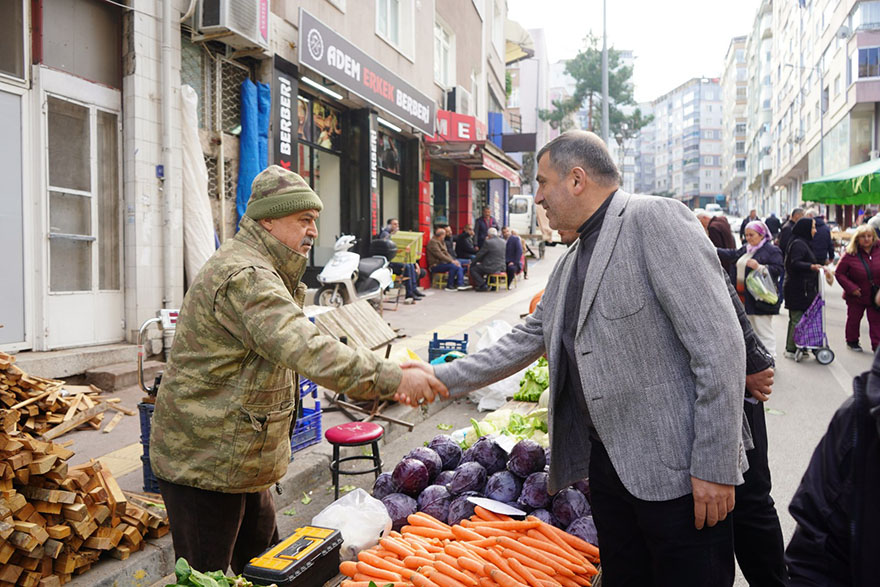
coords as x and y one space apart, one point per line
459 100
242 24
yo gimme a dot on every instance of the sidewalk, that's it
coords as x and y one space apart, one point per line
450 314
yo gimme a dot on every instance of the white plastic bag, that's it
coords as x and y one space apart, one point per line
359 517
496 395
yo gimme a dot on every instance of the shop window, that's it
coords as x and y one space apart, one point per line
389 153
84 212
12 36
319 124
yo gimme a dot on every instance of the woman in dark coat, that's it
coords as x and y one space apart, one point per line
801 283
758 252
861 252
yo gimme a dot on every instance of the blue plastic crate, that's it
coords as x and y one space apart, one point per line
146 414
307 387
440 346
307 430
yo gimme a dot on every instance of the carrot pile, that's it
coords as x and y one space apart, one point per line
489 550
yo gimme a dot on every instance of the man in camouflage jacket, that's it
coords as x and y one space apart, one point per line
220 430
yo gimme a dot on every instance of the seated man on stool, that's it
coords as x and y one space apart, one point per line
440 261
489 259
513 256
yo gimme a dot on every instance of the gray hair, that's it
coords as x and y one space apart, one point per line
797 210
578 148
493 231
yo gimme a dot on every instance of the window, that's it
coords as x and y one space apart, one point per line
741 93
869 62
740 147
84 212
740 164
740 128
444 56
12 38
394 23
498 29
836 86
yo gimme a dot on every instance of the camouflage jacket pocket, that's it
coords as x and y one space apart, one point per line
260 447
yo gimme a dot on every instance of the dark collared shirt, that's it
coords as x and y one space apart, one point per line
572 396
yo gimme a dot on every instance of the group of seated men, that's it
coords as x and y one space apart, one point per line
460 256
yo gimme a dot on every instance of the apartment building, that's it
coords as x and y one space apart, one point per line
643 150
687 142
734 89
759 163
342 91
826 113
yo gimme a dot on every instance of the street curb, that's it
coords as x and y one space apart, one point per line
310 470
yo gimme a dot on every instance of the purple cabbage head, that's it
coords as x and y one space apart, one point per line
585 529
534 492
489 453
435 501
468 477
399 507
384 485
447 449
503 486
546 516
584 487
569 505
444 478
429 458
467 456
526 457
460 508
411 476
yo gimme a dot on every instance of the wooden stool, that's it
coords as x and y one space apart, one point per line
354 434
438 280
496 279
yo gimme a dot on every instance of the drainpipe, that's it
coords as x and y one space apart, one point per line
169 201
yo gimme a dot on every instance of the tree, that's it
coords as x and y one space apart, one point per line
586 69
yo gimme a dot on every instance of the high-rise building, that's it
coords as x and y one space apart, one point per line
734 88
759 163
643 153
687 142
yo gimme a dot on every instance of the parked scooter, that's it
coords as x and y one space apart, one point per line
348 278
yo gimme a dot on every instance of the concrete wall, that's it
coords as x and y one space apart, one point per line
463 18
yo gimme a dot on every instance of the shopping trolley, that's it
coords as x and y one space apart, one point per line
809 334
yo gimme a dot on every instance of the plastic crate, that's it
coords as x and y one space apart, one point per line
440 346
146 414
307 430
307 387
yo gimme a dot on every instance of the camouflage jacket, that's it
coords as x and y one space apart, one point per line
227 400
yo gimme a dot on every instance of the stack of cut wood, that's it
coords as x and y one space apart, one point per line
57 520
50 408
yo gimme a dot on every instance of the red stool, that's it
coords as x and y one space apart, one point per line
354 434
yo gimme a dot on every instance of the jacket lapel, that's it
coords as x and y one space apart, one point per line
602 253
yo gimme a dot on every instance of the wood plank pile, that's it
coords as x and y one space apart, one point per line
57 520
46 410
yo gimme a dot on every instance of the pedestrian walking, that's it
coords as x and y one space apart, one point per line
758 252
800 286
718 229
836 541
773 224
656 427
753 215
822 243
224 414
858 273
482 226
785 231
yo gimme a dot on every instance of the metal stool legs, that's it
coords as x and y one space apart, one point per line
336 464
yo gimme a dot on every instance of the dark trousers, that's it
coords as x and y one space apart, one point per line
854 312
479 273
213 530
654 543
757 536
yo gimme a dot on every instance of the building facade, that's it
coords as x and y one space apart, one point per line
341 91
686 144
734 92
759 163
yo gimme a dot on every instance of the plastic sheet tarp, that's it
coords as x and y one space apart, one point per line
198 224
254 139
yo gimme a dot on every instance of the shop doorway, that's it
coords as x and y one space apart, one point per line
12 294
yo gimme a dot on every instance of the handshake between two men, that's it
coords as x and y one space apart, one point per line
419 385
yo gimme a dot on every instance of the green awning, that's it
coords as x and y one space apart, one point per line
860 184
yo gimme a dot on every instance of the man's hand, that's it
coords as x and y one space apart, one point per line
456 263
419 385
712 502
760 384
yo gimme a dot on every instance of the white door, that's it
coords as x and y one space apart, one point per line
12 308
82 214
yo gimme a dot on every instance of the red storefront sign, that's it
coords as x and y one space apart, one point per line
452 126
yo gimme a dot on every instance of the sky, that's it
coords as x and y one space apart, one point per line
673 40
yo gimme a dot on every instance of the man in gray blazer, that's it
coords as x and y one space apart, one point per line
647 371
490 259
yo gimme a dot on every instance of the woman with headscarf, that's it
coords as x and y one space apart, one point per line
800 286
759 251
859 274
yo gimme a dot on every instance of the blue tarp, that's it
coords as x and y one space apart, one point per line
253 141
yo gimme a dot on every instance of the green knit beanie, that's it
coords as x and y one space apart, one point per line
277 192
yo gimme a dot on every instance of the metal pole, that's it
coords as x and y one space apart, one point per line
604 73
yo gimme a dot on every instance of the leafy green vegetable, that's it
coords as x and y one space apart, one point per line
306 500
189 577
444 426
534 382
290 512
346 488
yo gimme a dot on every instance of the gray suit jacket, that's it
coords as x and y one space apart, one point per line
492 254
662 359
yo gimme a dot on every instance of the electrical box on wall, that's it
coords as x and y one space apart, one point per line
242 24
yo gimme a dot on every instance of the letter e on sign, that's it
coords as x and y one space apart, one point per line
464 130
